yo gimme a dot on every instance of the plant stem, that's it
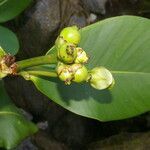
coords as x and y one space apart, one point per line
41 60
43 73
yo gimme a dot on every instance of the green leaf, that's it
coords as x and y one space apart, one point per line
52 50
13 126
11 8
8 41
122 45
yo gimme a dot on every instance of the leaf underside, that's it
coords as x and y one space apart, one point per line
121 44
8 41
11 8
13 126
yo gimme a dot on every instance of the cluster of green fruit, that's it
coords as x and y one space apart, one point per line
71 60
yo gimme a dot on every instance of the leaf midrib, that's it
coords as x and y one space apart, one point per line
8 113
129 72
3 2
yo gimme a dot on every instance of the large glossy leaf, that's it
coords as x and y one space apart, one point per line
121 44
8 41
11 8
13 126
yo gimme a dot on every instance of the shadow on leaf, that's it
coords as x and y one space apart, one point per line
82 91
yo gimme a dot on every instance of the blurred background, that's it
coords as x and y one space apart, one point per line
37 29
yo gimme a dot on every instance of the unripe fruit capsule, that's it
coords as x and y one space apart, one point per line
71 35
80 73
59 42
67 53
64 73
66 76
100 78
81 56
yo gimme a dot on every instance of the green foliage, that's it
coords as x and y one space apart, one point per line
120 44
8 41
13 126
8 10
11 8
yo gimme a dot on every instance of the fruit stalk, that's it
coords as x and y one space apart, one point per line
41 60
42 73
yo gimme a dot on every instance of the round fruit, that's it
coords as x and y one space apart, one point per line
80 73
59 42
100 78
81 56
71 35
67 53
64 73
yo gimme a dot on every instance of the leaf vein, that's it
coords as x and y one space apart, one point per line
8 113
129 72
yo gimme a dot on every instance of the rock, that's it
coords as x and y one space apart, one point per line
123 141
27 145
75 131
95 6
128 7
145 9
92 18
37 32
72 13
70 129
44 142
25 95
42 125
107 8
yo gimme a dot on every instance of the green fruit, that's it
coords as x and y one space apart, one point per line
60 67
80 73
66 76
71 35
59 42
67 53
64 73
100 78
81 56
